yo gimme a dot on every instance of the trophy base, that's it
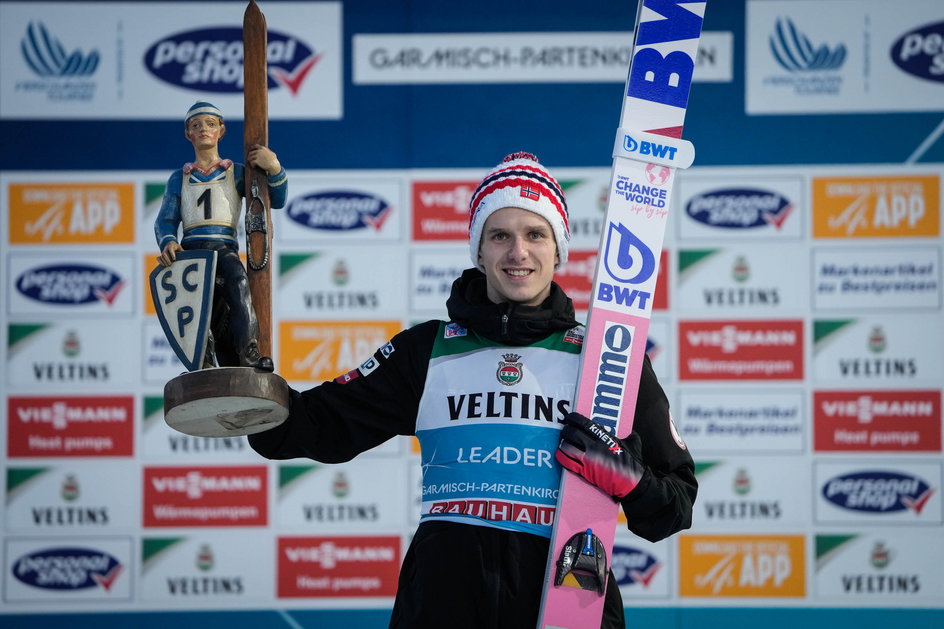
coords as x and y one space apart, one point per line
225 402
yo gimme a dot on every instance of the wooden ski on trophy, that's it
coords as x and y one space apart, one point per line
647 151
256 131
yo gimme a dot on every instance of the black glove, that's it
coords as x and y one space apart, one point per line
587 449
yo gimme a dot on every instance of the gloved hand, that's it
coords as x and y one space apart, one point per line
613 465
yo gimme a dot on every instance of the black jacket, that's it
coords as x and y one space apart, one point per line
454 574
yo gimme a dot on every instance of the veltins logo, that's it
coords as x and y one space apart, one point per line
211 60
48 58
920 52
739 209
742 566
67 569
876 207
878 492
339 210
794 51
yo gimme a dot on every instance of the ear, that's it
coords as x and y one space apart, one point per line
222 130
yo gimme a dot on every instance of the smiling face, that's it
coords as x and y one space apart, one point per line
204 131
519 254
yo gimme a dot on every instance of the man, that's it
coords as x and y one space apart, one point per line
206 197
487 394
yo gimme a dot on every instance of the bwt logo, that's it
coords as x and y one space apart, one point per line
794 52
211 60
47 57
627 260
609 387
644 147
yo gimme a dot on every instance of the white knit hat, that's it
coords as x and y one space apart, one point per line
521 182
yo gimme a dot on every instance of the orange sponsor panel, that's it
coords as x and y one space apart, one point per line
71 213
876 207
322 350
742 565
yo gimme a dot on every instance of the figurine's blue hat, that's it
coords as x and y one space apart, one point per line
202 107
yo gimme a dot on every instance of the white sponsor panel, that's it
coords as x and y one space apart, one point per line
96 569
202 569
752 493
843 56
876 278
104 60
870 568
718 204
160 362
586 191
73 356
886 351
81 497
742 279
563 57
349 283
873 491
343 207
643 570
357 496
432 273
659 342
742 420
62 285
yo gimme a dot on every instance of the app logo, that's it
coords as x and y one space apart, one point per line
739 208
211 60
48 58
67 568
919 53
794 51
878 491
340 210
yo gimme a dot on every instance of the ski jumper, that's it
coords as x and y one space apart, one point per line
485 394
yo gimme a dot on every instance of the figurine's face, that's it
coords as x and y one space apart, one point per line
205 131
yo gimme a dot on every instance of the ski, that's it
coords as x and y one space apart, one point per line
256 131
647 152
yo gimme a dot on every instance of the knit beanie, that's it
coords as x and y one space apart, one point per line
202 107
521 182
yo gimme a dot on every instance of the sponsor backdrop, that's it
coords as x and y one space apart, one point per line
797 324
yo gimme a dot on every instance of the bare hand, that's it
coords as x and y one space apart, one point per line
262 157
169 254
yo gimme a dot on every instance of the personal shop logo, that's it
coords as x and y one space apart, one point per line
67 569
211 60
70 284
739 209
632 566
920 52
878 492
339 211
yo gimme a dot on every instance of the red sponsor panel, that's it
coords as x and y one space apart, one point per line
329 567
741 350
441 209
877 421
576 278
70 426
215 496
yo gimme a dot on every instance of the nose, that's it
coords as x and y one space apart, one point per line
518 249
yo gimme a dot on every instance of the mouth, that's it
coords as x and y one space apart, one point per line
518 273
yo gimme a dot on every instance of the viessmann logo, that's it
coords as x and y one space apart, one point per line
739 208
70 284
211 60
330 554
731 338
195 484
